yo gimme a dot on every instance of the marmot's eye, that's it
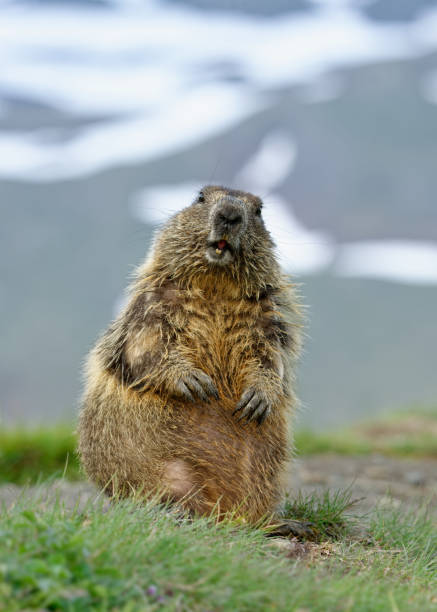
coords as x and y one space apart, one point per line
201 197
258 212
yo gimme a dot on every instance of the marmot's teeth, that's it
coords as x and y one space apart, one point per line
218 251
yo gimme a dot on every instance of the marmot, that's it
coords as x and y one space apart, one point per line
190 389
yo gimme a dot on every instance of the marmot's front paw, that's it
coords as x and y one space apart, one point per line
254 406
196 383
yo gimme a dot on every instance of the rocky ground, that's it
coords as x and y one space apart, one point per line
373 479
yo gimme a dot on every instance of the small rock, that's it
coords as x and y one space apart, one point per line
291 548
281 543
390 502
415 478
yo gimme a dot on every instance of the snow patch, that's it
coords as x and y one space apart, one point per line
393 260
270 165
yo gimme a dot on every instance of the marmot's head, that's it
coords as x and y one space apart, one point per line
221 233
235 225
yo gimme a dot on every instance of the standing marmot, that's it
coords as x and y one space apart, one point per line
190 390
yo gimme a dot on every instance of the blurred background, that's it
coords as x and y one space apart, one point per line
113 114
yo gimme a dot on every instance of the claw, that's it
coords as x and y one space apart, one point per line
207 384
260 413
250 409
245 399
184 391
197 384
196 388
253 405
264 415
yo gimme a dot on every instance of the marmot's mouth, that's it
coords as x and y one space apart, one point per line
220 246
220 251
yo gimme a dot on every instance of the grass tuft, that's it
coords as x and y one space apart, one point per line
328 512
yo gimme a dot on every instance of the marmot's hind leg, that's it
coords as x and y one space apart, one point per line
303 530
196 490
181 486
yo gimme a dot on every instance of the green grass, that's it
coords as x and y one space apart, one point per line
29 454
140 557
403 434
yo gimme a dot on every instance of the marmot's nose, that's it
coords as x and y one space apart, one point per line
230 214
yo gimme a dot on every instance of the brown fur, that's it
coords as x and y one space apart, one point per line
140 427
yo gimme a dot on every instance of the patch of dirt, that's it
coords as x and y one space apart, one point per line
375 478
